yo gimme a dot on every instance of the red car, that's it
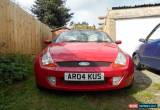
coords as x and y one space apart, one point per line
82 60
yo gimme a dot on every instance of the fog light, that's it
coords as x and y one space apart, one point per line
52 80
116 80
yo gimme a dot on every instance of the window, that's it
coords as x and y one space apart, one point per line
83 36
155 35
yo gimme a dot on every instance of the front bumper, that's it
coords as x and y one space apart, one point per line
126 73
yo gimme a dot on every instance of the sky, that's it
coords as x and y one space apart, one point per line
89 10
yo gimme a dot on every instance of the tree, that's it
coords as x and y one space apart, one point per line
83 25
52 12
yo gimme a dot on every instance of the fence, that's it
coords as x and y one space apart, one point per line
20 32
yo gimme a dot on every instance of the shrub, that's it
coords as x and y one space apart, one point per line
14 67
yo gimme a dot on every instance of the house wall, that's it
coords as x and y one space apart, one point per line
129 31
132 13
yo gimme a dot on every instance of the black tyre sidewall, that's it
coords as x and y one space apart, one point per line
138 66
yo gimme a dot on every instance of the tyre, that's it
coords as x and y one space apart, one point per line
136 61
40 87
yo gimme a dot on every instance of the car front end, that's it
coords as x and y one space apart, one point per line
84 74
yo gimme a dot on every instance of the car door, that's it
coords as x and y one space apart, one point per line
151 49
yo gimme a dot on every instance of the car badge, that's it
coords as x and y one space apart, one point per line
83 63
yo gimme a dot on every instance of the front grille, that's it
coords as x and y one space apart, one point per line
76 64
84 82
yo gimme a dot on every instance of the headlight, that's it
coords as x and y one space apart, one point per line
47 59
121 59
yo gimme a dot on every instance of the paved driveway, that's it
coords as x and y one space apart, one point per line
148 83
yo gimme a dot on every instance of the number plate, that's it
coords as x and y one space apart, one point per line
84 76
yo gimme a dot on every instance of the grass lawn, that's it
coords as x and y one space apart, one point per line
25 96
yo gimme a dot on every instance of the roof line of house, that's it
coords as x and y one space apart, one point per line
136 6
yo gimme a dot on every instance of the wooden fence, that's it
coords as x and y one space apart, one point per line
20 32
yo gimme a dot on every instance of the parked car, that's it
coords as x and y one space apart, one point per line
82 60
148 53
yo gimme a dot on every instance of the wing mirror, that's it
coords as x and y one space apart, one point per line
118 42
142 40
48 42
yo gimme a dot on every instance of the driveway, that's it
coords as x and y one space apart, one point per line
149 81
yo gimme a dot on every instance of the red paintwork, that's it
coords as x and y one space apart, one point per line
83 52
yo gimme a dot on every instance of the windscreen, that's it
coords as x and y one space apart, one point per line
83 36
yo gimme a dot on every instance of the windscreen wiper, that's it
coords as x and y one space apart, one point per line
74 41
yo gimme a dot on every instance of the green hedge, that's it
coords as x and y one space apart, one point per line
14 67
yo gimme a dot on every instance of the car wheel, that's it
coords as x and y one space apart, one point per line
136 61
40 87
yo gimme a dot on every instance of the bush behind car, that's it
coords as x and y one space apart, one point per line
14 68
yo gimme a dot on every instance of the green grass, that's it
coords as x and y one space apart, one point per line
144 96
25 96
156 86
